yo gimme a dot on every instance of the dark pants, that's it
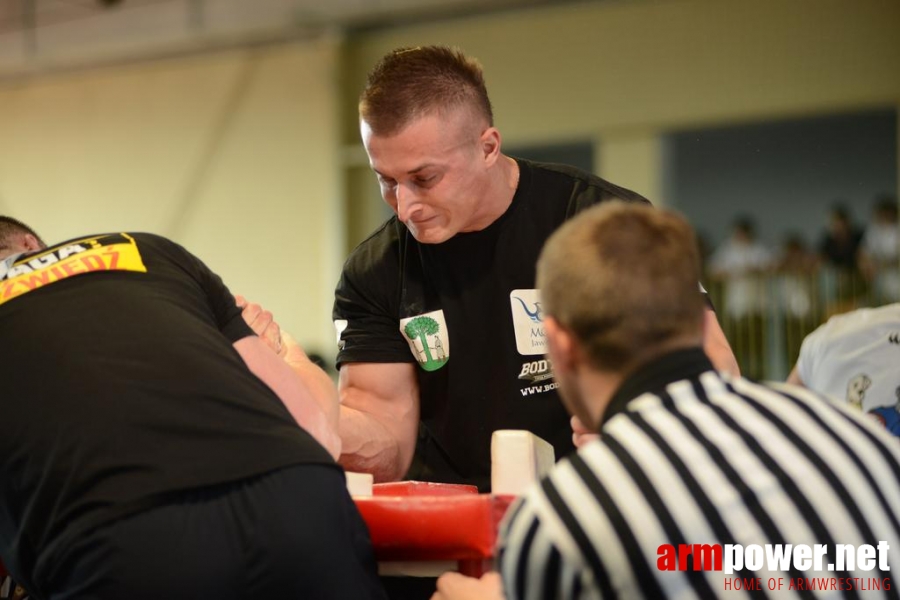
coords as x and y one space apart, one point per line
293 533
410 588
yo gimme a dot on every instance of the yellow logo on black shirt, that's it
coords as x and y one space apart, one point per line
110 252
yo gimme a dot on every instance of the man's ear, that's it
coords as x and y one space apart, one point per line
562 348
31 243
490 145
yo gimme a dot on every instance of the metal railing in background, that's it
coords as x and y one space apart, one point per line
766 316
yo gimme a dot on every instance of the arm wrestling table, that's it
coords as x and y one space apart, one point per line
425 529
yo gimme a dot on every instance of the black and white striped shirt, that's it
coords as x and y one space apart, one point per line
690 456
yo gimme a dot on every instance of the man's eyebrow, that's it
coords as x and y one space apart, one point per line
420 168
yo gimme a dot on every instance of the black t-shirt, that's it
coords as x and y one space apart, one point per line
472 300
120 385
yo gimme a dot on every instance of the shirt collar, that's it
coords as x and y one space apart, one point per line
655 375
7 263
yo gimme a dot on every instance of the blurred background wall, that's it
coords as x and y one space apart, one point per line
233 154
231 126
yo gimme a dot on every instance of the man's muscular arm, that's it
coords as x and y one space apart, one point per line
379 418
305 390
379 411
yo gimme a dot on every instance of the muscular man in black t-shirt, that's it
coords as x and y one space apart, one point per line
439 322
152 447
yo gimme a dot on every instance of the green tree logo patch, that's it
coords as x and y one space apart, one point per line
428 339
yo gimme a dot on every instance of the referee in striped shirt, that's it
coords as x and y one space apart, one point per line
698 481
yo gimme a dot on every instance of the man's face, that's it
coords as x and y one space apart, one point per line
432 174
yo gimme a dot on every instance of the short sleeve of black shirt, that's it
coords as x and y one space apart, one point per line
367 298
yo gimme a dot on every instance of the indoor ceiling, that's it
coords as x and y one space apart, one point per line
44 33
25 14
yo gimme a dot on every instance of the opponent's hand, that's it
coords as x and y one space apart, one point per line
263 324
454 586
581 435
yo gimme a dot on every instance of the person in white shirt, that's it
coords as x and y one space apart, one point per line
879 253
853 358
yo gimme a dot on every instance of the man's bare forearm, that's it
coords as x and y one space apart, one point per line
322 388
368 447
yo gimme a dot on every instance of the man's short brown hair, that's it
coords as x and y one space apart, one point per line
624 279
10 227
410 83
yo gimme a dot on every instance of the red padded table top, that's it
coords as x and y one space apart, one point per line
419 521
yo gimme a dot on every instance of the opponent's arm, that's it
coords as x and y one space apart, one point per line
379 411
716 345
306 390
379 418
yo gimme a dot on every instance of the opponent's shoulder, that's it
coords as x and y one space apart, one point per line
152 239
861 320
157 246
141 240
888 314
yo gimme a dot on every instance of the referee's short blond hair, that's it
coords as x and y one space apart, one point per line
623 278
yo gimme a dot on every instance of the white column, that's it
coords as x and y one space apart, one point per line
633 160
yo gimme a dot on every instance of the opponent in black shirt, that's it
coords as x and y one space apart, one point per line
147 425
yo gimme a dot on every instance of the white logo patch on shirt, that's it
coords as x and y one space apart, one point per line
428 339
528 322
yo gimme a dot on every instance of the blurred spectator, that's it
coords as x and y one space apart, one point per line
795 285
853 359
842 285
796 268
840 242
879 251
740 263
